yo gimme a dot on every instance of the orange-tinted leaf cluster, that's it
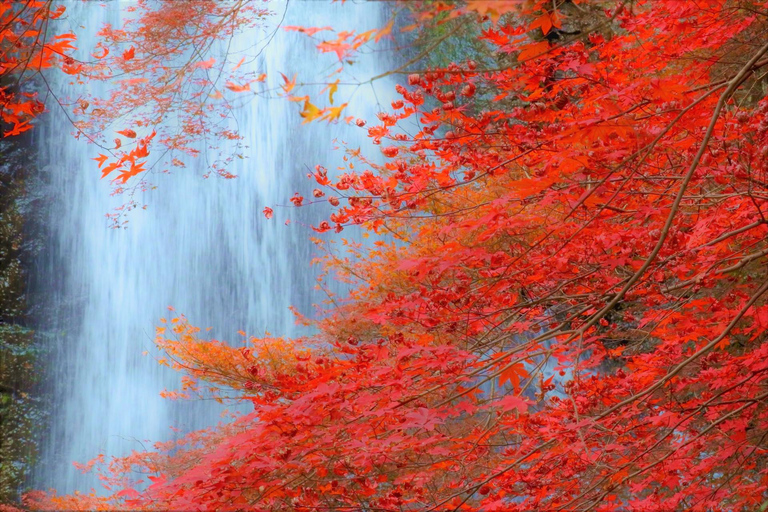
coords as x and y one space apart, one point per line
26 50
161 63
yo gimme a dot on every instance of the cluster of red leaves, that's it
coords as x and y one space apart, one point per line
571 314
156 65
24 52
160 67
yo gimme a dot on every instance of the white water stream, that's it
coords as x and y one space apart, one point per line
203 246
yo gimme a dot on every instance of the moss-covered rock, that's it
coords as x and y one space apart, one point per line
21 413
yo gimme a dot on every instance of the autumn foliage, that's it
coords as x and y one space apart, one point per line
24 52
565 308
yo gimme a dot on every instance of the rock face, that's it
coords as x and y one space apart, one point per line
21 409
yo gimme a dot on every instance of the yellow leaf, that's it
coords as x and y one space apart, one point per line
310 112
331 88
334 112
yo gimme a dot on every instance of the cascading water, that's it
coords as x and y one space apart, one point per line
202 246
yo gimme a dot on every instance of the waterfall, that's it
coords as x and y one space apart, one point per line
202 246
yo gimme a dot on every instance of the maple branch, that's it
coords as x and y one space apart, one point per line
712 425
658 442
733 85
474 488
703 350
744 261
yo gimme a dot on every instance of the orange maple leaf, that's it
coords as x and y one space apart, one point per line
533 50
239 64
108 169
237 88
513 374
129 53
383 32
101 159
289 84
206 64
